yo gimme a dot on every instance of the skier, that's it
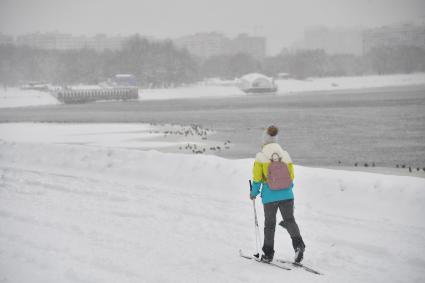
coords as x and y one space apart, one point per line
270 161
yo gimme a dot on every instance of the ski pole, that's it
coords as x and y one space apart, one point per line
256 227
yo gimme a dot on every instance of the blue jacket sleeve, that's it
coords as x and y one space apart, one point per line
256 188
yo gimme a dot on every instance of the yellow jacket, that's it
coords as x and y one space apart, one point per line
260 171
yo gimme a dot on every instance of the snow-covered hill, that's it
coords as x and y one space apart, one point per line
72 213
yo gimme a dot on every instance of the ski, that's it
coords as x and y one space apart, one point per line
258 260
300 265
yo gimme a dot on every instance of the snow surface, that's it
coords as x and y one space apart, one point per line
76 213
349 83
166 137
15 97
107 135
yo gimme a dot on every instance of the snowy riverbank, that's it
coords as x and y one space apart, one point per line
14 97
96 214
142 136
289 86
349 83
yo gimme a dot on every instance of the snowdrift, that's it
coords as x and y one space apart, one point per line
77 213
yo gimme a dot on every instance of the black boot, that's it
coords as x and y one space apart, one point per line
299 247
268 254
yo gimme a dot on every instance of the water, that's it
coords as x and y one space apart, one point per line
385 127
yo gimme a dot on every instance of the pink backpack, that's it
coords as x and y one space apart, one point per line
278 174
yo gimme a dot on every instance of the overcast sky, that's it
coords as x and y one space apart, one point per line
281 21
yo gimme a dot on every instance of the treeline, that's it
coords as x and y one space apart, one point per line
152 63
383 60
161 64
316 63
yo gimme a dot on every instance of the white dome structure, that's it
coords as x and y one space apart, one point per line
257 83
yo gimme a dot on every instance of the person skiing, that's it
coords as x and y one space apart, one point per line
273 176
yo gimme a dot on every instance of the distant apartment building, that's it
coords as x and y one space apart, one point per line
252 45
333 41
203 44
44 40
396 35
358 41
60 41
102 42
211 44
6 39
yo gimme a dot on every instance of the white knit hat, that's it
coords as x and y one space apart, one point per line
270 135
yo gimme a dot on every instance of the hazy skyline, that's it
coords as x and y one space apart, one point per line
281 21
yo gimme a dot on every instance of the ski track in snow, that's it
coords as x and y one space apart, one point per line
115 221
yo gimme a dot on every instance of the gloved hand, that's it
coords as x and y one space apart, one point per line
252 197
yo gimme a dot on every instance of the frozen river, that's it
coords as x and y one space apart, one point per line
381 126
